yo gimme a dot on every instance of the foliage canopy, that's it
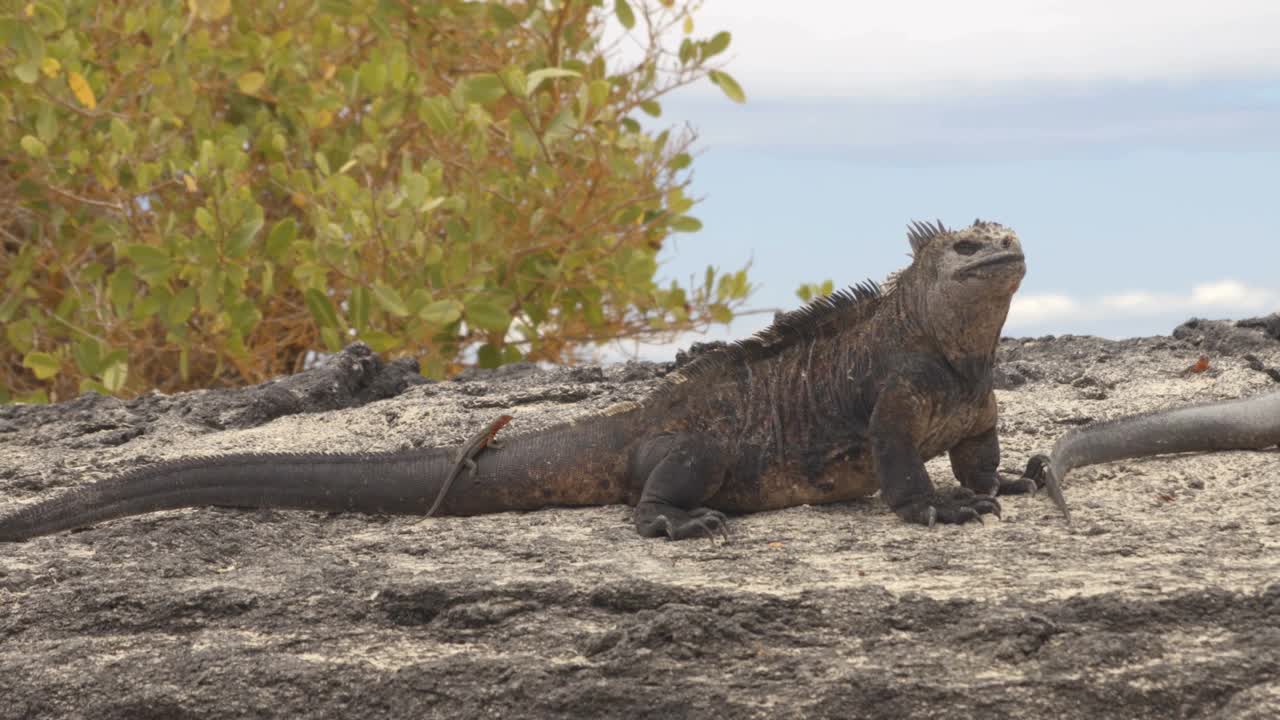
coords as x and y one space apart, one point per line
200 193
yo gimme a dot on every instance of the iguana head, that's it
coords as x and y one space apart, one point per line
963 281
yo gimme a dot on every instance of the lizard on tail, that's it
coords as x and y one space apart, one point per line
466 457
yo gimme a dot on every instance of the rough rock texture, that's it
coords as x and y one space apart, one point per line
1162 601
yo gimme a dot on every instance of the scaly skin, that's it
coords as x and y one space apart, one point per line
844 397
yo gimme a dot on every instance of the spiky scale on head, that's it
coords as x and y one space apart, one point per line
958 254
920 234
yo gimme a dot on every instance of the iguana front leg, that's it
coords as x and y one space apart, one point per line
975 461
680 470
904 482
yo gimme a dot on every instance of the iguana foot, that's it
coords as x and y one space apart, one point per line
1025 485
1040 473
1033 478
957 507
657 520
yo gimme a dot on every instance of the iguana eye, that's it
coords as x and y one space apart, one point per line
966 247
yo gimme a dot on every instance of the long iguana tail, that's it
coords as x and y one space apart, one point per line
569 464
383 483
1247 424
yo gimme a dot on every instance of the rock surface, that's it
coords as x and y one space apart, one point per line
1163 600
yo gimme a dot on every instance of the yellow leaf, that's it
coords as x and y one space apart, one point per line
299 199
251 82
190 182
51 67
329 70
688 24
33 146
80 88
209 9
30 10
321 119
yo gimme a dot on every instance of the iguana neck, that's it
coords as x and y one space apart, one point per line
966 335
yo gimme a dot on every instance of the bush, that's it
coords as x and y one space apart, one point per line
202 193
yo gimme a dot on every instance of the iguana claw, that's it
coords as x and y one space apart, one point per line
678 524
954 508
1040 471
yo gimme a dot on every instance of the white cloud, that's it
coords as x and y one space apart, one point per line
1031 309
1224 298
916 48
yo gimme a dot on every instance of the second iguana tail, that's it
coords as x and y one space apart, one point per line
1250 423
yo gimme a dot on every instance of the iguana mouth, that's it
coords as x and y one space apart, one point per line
1001 259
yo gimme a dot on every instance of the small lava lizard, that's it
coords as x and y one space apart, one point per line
466 457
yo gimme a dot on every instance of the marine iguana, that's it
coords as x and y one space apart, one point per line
845 396
1251 423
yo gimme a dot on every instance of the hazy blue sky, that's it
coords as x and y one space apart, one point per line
1134 146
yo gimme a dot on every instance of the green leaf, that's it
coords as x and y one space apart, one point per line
148 258
502 16
358 308
251 82
85 354
598 92
441 312
46 123
687 50
321 309
21 334
28 72
416 187
373 77
121 136
686 223
23 40
390 300
204 219
115 376
625 15
484 313
42 364
242 237
483 89
181 307
281 237
437 113
49 16
538 76
121 289
728 86
33 146
381 341
488 356
332 341
651 108
716 45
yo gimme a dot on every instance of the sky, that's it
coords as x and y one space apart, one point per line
1134 146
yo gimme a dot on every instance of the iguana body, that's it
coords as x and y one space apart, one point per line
846 396
1247 424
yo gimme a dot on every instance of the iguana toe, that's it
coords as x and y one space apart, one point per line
955 508
654 520
1022 486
